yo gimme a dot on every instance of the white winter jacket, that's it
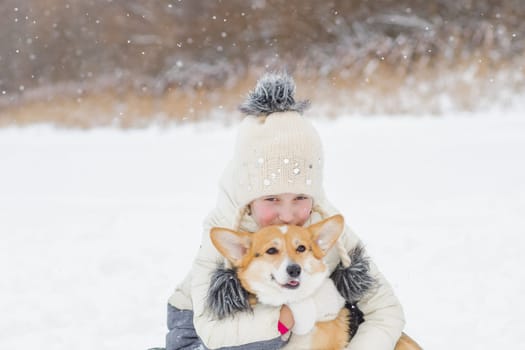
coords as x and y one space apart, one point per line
383 314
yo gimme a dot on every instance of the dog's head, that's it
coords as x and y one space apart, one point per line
280 264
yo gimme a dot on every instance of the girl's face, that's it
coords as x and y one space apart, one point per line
284 208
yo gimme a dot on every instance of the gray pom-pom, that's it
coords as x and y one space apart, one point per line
274 92
354 281
226 295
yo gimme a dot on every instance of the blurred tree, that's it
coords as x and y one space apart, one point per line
152 46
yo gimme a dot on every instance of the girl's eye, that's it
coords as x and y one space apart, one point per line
271 199
301 248
272 251
301 198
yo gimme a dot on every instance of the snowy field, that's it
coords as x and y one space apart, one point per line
97 227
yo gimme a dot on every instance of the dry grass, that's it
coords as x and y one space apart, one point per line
127 109
380 89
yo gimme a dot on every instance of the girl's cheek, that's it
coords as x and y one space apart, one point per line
268 218
304 213
265 216
304 216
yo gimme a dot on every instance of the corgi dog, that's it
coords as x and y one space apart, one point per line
283 264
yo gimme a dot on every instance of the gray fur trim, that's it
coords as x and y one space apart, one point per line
226 296
274 92
354 281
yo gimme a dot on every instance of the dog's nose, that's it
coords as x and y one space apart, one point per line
293 270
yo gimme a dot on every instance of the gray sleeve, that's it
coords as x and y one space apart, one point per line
182 335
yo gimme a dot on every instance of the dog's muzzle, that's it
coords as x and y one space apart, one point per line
294 271
293 281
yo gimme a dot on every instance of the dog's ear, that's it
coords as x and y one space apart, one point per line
325 233
231 244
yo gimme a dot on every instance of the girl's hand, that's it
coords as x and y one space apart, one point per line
286 318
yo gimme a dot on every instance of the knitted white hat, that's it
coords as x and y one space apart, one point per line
277 149
280 153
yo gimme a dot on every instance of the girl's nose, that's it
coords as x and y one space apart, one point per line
286 215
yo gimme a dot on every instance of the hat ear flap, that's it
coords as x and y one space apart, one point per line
354 281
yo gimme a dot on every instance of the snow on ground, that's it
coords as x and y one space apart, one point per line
97 227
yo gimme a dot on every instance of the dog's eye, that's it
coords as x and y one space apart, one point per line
301 248
272 251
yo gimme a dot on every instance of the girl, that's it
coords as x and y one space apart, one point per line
274 177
